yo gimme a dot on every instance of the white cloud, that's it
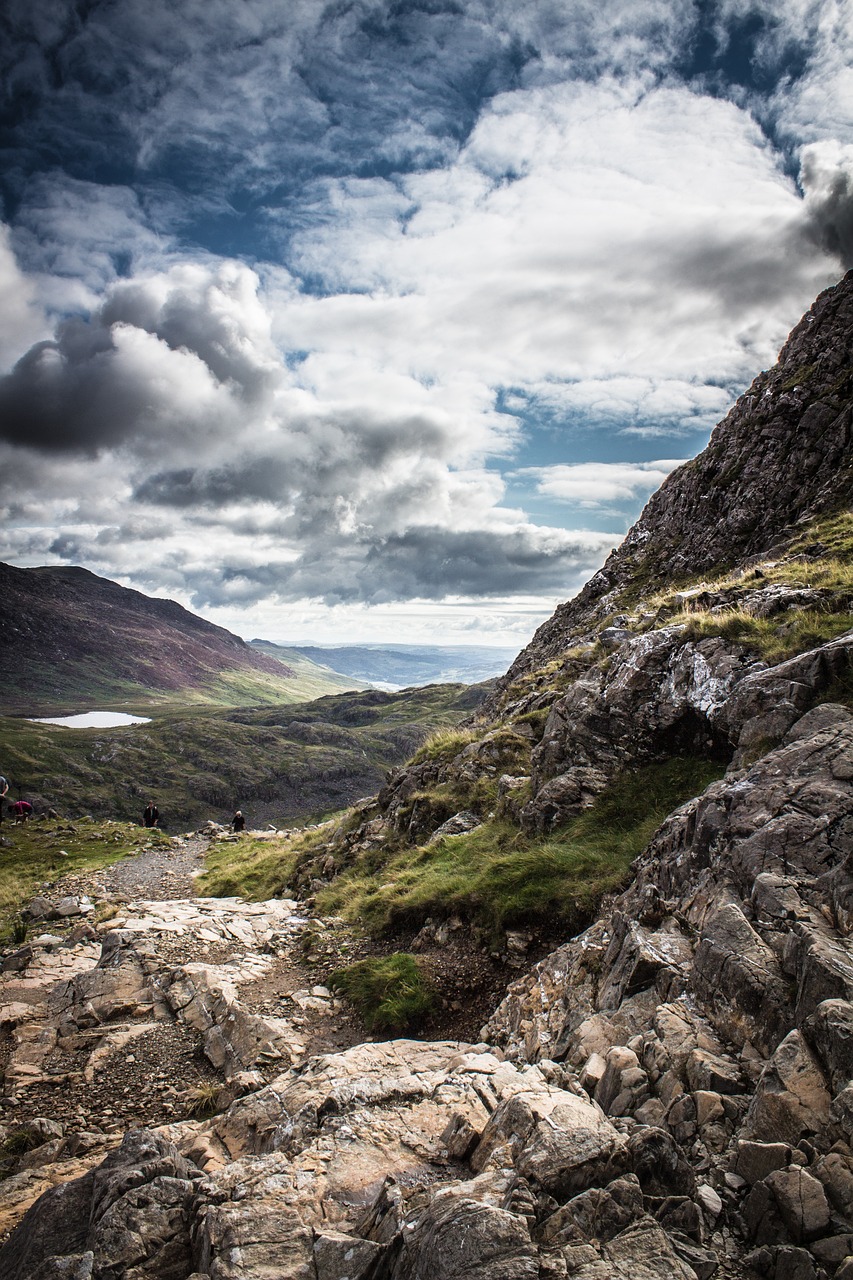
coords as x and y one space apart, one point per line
21 320
599 484
619 250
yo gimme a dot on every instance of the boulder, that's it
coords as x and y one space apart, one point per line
461 1238
791 1099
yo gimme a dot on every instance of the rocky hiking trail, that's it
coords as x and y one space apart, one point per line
114 1025
136 1003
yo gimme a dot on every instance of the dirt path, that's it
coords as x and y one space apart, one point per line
155 875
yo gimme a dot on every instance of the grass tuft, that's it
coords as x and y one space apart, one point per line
390 992
444 745
202 1101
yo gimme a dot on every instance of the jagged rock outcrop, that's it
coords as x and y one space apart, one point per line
783 454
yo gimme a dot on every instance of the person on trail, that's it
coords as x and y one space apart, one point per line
4 790
21 811
151 815
238 822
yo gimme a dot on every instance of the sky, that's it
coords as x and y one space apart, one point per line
373 321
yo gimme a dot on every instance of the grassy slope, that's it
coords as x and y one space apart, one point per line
310 679
85 684
281 765
494 876
39 852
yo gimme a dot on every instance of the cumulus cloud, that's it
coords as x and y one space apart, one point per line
324 276
599 484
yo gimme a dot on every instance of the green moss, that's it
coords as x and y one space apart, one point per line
497 876
390 992
799 377
536 719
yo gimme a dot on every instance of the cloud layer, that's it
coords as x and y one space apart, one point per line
320 309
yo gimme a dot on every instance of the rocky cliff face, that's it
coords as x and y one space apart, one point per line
667 1094
782 455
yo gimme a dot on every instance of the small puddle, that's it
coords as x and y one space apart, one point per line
92 720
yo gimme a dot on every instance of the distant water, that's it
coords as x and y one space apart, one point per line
92 720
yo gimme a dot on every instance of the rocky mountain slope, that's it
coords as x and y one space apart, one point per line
70 640
668 1093
783 455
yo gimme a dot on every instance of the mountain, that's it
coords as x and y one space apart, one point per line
72 641
648 826
782 456
403 665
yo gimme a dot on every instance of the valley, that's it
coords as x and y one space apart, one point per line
281 765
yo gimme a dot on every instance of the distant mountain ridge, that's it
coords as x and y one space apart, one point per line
72 640
404 664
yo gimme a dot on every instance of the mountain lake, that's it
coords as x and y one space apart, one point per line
92 720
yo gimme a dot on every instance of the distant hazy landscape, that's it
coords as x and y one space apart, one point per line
400 665
286 733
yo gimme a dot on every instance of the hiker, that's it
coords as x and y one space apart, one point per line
238 822
150 815
21 811
4 788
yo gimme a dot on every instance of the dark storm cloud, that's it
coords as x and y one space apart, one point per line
424 562
68 395
167 357
827 175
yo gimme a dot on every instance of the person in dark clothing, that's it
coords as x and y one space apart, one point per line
238 822
4 791
151 815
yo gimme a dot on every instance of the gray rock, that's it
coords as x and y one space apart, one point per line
463 1239
343 1257
754 1161
73 1267
641 1252
831 1030
791 1100
801 1200
246 1241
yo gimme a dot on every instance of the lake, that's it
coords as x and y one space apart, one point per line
92 720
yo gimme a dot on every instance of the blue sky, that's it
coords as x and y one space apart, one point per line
381 321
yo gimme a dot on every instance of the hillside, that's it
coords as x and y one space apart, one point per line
645 831
295 762
70 641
